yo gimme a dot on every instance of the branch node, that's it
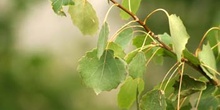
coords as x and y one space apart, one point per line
136 18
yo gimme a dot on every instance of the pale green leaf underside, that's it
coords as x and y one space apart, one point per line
213 37
84 17
179 35
154 100
207 58
136 67
128 91
124 37
131 5
166 38
103 38
102 74
58 6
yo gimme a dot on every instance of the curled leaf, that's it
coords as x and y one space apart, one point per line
58 6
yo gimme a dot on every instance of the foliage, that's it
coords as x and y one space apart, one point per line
108 66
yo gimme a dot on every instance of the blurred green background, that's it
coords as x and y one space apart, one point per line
39 51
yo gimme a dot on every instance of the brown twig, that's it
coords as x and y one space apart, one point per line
163 45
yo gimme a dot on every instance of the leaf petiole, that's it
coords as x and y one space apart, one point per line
160 9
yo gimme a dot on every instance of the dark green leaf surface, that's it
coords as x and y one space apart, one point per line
124 37
118 51
136 67
128 92
186 107
103 38
170 105
209 91
208 103
189 86
154 100
58 6
208 99
189 56
84 17
102 74
131 5
169 90
178 34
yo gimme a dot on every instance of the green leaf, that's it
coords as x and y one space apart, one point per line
189 86
84 17
154 100
103 38
128 92
165 38
58 6
189 56
207 58
209 91
208 103
139 40
170 105
102 74
217 92
213 39
124 37
118 51
179 35
169 90
131 5
136 67
186 107
131 55
158 57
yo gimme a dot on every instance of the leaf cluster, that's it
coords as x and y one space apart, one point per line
109 65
